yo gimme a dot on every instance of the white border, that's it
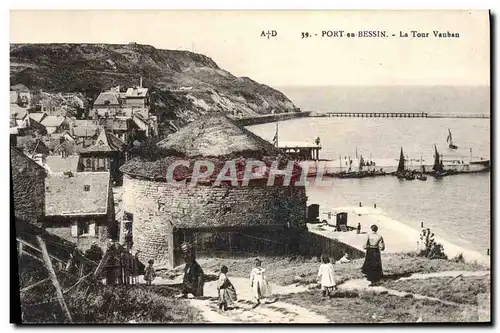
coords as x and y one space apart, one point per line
189 4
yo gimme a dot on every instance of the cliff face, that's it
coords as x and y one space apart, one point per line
186 84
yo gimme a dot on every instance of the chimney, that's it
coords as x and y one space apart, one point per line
140 83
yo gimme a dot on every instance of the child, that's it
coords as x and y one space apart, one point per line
258 283
150 273
326 276
227 293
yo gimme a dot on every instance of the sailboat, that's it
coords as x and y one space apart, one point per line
449 139
438 164
401 172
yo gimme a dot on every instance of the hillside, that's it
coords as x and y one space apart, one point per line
186 83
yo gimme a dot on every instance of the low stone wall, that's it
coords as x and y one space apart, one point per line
271 118
315 245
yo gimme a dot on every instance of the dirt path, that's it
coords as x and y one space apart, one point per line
281 312
273 312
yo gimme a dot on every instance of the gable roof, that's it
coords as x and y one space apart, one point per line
216 135
62 164
17 112
66 195
107 97
37 116
52 121
85 131
106 141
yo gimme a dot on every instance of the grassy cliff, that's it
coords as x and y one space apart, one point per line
186 84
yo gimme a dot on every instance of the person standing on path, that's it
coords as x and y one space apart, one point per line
194 278
149 274
326 275
258 282
227 293
372 266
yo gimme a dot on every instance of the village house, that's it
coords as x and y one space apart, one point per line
56 124
107 154
19 115
28 187
108 103
221 219
137 97
24 97
79 207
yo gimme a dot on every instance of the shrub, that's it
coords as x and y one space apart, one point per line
432 249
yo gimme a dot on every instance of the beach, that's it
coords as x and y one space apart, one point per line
398 237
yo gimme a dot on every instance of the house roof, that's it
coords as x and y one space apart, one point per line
66 195
84 122
17 112
116 124
37 116
52 121
62 164
85 131
20 87
140 122
107 98
106 141
214 134
136 92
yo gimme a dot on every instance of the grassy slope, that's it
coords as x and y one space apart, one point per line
367 308
116 304
91 68
461 290
285 271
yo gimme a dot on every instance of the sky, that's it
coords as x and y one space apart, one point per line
233 40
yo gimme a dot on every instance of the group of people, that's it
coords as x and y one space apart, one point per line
123 268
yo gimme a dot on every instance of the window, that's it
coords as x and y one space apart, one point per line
83 228
86 188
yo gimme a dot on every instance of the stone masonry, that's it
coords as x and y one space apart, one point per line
28 184
155 204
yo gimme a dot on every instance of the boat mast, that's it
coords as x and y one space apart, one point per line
401 165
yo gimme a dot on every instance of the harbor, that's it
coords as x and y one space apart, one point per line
400 238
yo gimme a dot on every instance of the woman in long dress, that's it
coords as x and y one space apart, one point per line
372 266
259 283
227 293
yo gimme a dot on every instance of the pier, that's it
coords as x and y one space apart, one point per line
399 115
376 114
